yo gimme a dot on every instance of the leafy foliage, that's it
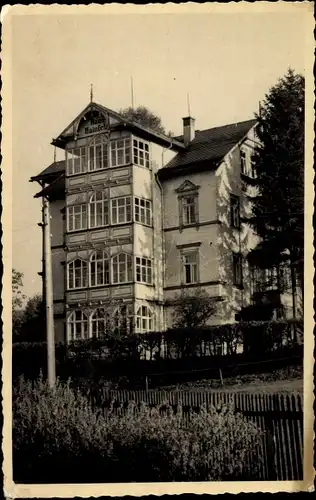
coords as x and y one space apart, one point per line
67 441
32 325
17 301
144 117
192 310
278 207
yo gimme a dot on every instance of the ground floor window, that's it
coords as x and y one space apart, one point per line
78 326
144 320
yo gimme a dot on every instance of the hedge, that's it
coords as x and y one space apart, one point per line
65 440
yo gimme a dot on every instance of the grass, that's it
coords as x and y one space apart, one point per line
283 381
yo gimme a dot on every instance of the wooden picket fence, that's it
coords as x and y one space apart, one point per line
280 417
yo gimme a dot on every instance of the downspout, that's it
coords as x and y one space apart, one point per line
162 230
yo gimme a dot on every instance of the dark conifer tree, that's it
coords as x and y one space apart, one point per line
278 207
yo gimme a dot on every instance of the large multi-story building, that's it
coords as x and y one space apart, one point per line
138 217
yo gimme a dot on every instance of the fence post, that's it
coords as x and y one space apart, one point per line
146 383
221 377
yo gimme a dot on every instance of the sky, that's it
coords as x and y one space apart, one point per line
226 61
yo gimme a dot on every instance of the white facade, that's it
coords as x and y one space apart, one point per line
126 240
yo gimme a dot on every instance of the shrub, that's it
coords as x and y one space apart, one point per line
66 441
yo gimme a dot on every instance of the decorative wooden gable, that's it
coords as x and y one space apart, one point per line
93 119
187 187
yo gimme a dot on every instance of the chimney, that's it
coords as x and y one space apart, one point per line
188 130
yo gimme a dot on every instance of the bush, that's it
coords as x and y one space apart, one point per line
64 440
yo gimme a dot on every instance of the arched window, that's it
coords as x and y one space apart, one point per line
99 320
98 153
122 268
122 320
144 320
77 326
99 269
77 274
99 209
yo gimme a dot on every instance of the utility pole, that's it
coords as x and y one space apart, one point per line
42 273
51 368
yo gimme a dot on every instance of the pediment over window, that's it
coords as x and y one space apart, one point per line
187 186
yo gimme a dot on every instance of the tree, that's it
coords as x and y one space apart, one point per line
17 301
192 310
278 206
31 326
144 117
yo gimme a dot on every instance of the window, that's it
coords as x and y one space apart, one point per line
252 170
77 274
190 267
243 162
98 153
121 210
234 211
77 217
99 320
189 209
123 320
143 211
76 160
99 209
237 269
120 152
143 270
122 268
247 164
77 326
140 153
99 269
144 320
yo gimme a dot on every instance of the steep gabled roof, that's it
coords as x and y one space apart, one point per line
209 146
145 133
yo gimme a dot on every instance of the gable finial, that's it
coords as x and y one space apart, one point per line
91 92
54 154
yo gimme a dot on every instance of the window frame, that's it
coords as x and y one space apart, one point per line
237 261
98 141
195 265
138 151
127 156
73 324
126 220
105 213
83 160
104 318
145 210
116 271
149 319
83 217
144 269
83 274
235 211
105 260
